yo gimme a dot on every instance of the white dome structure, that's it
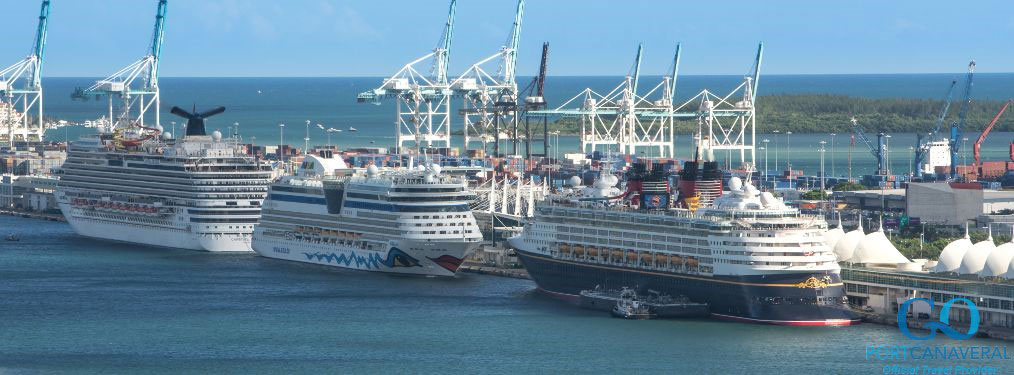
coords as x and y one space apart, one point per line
950 257
846 246
998 261
975 258
875 248
832 236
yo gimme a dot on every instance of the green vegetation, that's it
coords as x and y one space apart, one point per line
848 186
908 242
814 195
822 113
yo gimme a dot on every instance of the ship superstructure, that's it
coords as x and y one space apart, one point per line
410 221
747 255
141 186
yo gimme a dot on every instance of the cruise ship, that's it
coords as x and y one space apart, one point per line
407 221
140 185
741 251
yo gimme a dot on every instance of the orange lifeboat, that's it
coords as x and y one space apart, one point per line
631 256
692 262
564 248
661 259
646 257
617 254
593 251
578 249
676 259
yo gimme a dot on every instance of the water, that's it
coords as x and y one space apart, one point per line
76 305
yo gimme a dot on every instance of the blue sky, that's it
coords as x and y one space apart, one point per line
587 37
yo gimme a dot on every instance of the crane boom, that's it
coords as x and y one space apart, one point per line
756 70
956 127
877 150
946 108
675 73
510 65
156 42
637 68
543 66
443 52
985 132
40 41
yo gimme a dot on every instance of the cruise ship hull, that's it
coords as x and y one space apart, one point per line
765 298
123 231
430 258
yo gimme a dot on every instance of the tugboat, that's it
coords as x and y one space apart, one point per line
656 304
628 306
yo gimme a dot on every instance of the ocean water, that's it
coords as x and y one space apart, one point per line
258 105
75 305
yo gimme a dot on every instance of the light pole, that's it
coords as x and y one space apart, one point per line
788 152
832 154
306 139
887 154
281 142
822 186
174 130
776 146
765 160
329 131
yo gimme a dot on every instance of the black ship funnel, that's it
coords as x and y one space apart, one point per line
195 120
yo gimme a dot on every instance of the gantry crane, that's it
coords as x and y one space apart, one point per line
21 88
956 126
491 99
534 100
423 101
877 151
136 85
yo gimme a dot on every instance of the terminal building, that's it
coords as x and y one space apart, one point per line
879 279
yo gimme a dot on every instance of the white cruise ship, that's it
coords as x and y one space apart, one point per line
409 221
139 185
746 255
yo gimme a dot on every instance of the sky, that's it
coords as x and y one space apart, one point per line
309 38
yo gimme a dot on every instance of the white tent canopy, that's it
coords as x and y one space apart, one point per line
875 248
975 258
951 256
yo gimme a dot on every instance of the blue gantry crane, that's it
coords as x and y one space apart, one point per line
877 151
21 86
136 85
956 126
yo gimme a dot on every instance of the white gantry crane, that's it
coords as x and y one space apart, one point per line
727 122
616 120
21 91
625 121
423 100
491 96
135 86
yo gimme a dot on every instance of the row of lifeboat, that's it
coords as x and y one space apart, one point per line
658 259
101 205
317 231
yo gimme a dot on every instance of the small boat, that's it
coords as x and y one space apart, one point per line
657 304
12 237
629 307
351 129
